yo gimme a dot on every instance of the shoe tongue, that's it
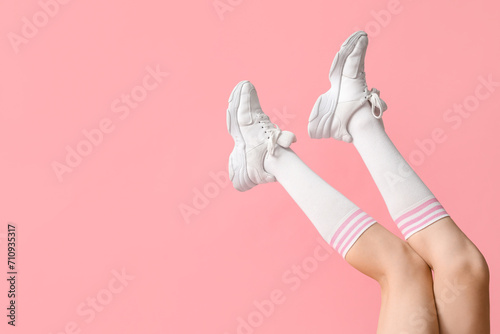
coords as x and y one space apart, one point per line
286 138
254 102
355 63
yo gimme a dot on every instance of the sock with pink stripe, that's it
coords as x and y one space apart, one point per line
410 203
339 221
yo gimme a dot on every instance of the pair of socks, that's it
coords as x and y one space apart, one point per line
339 221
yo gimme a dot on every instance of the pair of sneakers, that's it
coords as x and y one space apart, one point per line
255 136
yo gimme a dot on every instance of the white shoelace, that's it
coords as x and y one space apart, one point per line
373 95
272 130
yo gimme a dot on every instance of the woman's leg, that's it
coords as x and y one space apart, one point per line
461 278
352 113
405 279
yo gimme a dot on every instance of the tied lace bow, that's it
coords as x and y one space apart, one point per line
274 134
373 95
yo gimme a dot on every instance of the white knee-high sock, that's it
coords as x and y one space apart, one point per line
339 221
411 204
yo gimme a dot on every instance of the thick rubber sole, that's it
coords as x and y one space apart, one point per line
237 160
321 118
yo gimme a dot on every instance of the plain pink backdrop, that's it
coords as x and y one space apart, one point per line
120 207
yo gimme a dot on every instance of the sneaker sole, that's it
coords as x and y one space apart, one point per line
324 108
237 160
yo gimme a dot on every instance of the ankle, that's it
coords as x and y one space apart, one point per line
363 122
272 163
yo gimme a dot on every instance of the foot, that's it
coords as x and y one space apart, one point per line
349 92
255 137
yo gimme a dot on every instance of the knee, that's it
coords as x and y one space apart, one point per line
468 265
405 266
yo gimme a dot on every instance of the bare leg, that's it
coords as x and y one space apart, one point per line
405 279
461 277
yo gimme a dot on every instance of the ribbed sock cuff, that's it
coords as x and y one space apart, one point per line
419 216
351 228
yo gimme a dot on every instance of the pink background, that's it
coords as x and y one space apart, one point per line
120 207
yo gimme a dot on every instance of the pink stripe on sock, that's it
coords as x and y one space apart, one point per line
417 209
361 229
422 224
355 225
426 213
344 224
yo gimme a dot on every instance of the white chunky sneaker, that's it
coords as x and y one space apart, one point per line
333 109
254 137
